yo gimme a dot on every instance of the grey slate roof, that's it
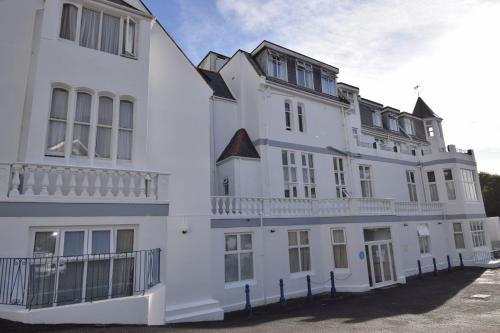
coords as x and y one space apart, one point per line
217 83
422 110
240 145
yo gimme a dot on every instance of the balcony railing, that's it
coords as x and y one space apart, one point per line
35 181
53 281
231 207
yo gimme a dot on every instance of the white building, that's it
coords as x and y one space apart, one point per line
136 188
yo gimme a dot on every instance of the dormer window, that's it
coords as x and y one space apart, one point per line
393 124
408 126
276 66
377 118
328 85
304 75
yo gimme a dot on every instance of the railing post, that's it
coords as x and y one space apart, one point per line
248 307
461 260
449 264
282 293
419 269
332 280
435 266
309 291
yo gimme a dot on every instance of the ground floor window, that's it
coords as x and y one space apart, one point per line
299 251
458 236
477 232
424 239
339 244
238 257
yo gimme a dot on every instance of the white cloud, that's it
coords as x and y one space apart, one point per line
385 47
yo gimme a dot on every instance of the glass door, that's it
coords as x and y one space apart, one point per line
380 257
71 267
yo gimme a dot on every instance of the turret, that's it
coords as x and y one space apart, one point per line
432 125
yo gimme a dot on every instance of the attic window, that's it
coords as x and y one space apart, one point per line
408 126
328 84
304 75
276 66
430 131
377 118
393 124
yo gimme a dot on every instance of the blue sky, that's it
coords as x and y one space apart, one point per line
385 47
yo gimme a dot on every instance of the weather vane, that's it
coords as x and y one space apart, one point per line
417 89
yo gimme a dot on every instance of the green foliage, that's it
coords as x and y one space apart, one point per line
490 187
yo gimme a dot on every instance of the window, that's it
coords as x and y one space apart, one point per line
225 185
408 126
129 32
81 125
125 130
450 184
424 239
377 118
412 185
366 181
89 28
393 124
68 22
339 244
104 128
308 175
301 116
469 185
276 66
304 75
110 35
57 122
328 83
288 116
299 251
477 233
433 189
458 236
289 173
238 257
430 131
339 174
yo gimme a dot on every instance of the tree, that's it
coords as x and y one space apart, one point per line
490 187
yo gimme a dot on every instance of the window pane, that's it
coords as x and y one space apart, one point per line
338 236
68 22
73 243
97 280
100 241
126 114
124 145
123 277
292 238
89 29
304 238
246 241
231 243
459 241
305 257
294 260
125 240
103 142
45 244
57 123
431 177
340 256
105 116
231 267
284 157
246 262
110 34
69 287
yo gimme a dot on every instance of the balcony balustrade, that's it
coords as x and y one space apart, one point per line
232 207
20 182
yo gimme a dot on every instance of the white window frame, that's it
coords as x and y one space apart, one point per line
274 63
300 247
339 244
301 118
469 184
127 49
339 176
424 239
328 84
290 176
124 129
307 69
288 115
430 131
478 234
432 185
451 192
66 121
458 233
238 252
308 175
365 176
377 118
412 185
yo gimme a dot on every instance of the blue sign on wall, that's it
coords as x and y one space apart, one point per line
361 255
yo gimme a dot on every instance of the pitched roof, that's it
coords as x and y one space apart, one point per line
217 83
240 145
422 110
123 3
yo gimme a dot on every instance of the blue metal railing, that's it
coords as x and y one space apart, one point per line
59 280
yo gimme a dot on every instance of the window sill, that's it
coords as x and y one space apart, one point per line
426 255
128 56
239 284
299 275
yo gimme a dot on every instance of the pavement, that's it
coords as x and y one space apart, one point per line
466 300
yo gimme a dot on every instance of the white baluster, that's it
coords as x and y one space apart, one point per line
59 182
131 184
29 180
72 182
85 183
121 185
142 185
44 187
98 184
108 188
152 186
16 181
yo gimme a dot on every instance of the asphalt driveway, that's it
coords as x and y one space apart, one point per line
465 300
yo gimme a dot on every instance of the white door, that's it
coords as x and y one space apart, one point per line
380 263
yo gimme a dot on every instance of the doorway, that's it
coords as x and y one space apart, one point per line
379 257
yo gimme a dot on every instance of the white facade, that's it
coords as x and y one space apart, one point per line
122 202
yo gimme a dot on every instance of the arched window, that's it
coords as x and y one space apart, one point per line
125 130
57 122
81 125
104 127
68 22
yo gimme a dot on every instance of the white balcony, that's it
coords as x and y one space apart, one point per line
36 182
233 207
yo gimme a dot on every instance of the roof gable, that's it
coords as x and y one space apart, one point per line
422 110
240 146
216 82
